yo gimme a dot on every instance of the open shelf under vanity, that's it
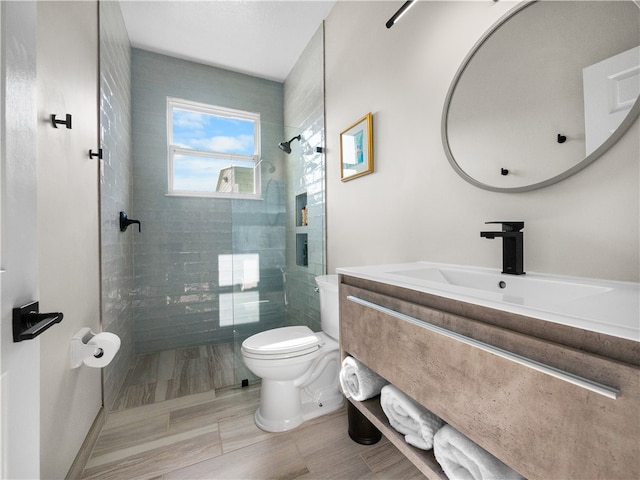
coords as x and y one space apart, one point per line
424 460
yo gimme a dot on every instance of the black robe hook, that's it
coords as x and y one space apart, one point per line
66 122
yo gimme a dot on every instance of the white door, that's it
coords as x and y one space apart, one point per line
610 89
20 362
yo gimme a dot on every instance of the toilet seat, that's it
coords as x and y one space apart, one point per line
279 343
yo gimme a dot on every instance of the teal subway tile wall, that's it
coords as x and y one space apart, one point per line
177 295
304 115
115 192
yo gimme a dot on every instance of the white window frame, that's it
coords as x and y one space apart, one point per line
173 150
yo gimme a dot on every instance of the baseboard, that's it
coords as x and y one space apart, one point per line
77 467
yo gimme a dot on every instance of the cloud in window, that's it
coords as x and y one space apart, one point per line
226 144
189 120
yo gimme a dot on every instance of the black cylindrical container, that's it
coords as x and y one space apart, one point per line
361 430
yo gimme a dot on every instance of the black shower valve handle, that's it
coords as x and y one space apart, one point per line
125 222
138 222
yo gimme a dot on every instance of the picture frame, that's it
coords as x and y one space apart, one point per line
356 149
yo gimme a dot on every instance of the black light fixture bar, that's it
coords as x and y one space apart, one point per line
401 11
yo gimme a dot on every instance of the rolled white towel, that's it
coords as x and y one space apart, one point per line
408 417
462 459
358 381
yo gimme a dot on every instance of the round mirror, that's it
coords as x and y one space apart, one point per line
544 93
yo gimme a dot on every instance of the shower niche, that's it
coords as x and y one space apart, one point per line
302 222
302 253
302 218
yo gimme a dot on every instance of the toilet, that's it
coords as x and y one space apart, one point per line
299 368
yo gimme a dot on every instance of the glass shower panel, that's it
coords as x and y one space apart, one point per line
256 266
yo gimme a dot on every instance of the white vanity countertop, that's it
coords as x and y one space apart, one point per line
603 306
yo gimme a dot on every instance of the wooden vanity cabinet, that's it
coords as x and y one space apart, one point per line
542 426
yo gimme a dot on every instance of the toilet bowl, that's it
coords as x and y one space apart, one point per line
299 368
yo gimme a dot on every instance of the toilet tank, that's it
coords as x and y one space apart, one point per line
329 317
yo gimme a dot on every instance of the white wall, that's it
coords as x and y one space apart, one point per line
415 207
68 225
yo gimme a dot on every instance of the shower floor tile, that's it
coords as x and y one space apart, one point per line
169 374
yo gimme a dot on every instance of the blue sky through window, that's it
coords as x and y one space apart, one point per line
212 133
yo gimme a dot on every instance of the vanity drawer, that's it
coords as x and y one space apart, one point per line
540 425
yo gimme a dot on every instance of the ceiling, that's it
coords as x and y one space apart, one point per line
263 38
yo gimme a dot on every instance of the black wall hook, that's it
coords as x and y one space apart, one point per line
93 154
125 222
561 138
66 122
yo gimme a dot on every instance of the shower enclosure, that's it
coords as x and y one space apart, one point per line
205 271
210 270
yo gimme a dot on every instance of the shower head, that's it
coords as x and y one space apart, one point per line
286 146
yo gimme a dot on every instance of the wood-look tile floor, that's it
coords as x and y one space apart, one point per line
170 374
212 435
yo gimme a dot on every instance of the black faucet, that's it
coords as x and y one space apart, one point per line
512 246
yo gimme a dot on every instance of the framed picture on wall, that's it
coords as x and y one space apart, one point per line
356 149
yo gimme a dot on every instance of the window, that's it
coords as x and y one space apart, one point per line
213 151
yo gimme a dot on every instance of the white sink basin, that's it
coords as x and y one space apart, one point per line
522 289
603 306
